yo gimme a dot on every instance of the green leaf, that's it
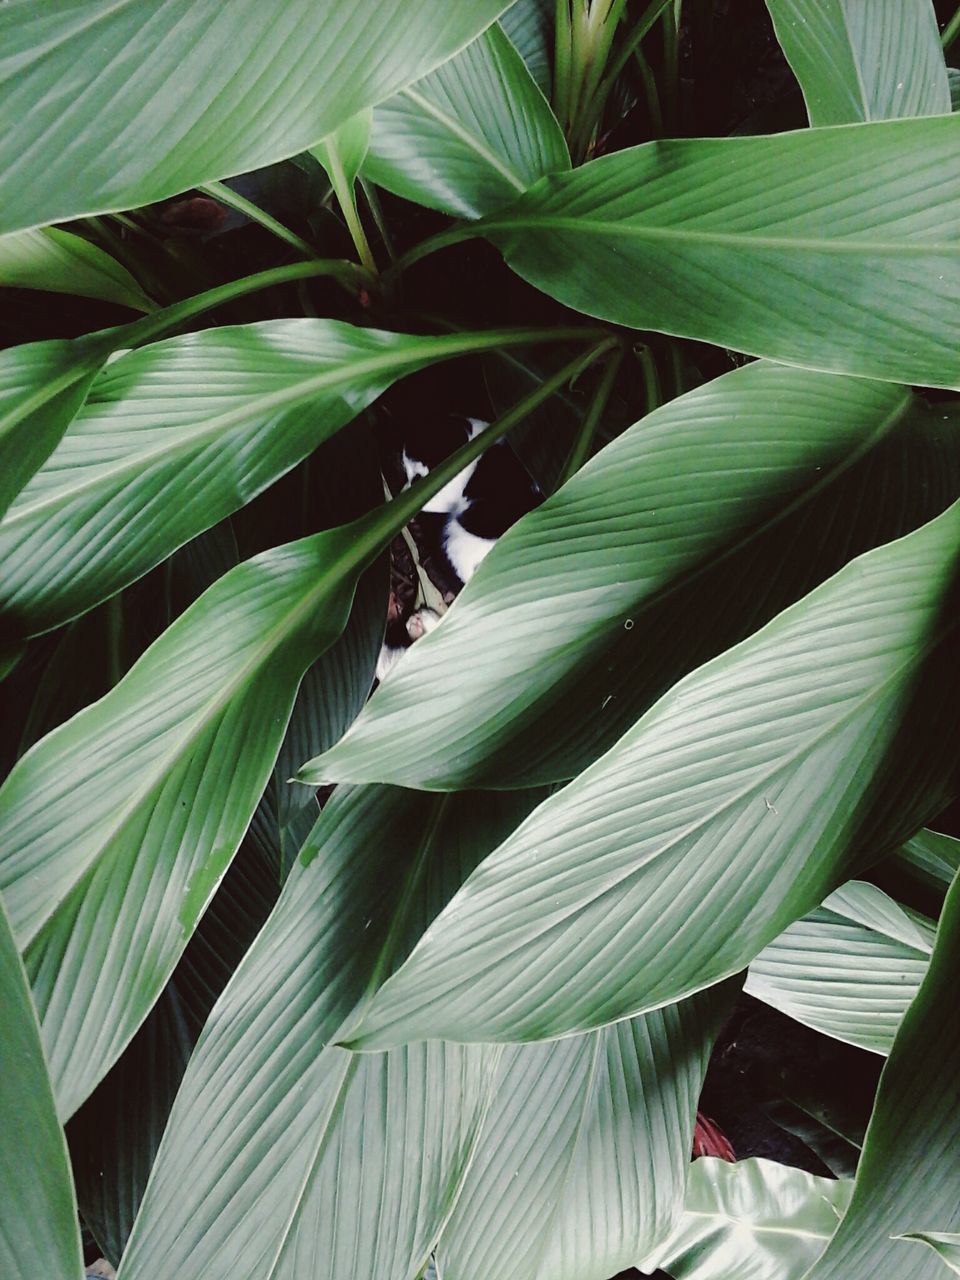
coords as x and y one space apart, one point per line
582 1161
174 437
118 103
170 778
342 152
823 248
878 61
330 698
731 808
39 1234
65 263
722 505
909 1173
42 384
753 1218
115 1135
285 1154
944 1243
849 969
469 138
529 26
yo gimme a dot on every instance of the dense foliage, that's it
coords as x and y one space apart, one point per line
296 981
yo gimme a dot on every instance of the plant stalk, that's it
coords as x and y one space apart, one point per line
226 195
588 429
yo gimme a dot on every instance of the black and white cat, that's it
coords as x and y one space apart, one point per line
460 524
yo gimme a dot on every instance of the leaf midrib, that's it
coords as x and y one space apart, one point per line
739 240
470 140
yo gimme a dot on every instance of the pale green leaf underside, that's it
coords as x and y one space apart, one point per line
471 136
286 1155
751 1219
582 1161
857 61
39 1234
835 249
122 102
61 262
720 505
909 1173
729 810
849 969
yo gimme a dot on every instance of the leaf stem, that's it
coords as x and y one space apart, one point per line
226 195
376 212
951 30
443 239
651 378
348 207
601 397
562 53
162 322
375 529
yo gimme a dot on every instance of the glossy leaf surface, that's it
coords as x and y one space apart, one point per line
175 436
755 1220
470 137
286 1154
123 102
582 1161
170 773
66 263
909 1174
38 1217
849 969
855 61
42 385
820 248
730 809
945 1244
681 537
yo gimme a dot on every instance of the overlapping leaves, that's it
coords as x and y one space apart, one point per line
689 531
731 808
200 91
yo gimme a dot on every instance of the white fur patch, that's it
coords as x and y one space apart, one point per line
465 550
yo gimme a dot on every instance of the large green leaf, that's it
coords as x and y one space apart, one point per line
175 436
849 969
42 384
123 102
582 1162
857 61
529 24
170 777
908 1179
946 1244
731 808
286 1155
692 529
115 1135
62 262
471 136
827 248
39 1234
753 1220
